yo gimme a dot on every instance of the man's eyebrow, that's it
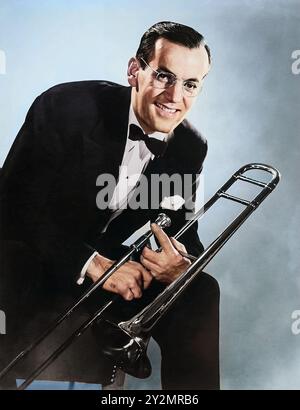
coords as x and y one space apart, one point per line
166 70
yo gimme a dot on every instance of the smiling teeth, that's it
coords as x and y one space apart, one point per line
163 107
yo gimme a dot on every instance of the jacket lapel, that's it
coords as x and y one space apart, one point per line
110 133
103 148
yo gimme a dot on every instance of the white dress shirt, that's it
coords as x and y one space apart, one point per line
135 159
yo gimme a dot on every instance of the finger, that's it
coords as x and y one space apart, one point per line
138 272
136 291
125 289
134 272
142 274
147 278
130 270
152 267
160 259
148 281
128 295
134 284
150 254
178 245
148 262
162 238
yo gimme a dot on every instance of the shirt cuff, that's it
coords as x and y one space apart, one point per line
81 278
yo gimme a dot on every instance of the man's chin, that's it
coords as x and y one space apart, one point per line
165 127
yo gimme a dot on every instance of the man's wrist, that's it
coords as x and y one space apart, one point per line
97 266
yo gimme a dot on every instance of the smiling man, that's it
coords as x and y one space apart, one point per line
164 87
56 240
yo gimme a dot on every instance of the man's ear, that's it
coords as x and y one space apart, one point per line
133 68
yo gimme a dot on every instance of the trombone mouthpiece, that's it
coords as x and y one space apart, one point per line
163 221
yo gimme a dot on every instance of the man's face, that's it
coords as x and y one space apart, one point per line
163 109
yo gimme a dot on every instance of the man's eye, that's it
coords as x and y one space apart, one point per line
190 85
163 77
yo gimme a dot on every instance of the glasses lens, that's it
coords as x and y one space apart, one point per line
164 80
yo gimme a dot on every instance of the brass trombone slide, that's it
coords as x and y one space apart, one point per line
133 349
137 330
145 320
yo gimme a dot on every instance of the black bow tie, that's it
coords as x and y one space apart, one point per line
154 145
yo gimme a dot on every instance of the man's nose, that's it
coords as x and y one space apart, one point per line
175 92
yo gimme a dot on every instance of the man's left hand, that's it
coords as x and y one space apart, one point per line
168 264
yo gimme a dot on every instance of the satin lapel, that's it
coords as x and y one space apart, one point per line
169 164
103 148
111 130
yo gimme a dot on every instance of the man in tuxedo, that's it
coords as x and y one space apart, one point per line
57 238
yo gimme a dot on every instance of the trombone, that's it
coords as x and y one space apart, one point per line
130 352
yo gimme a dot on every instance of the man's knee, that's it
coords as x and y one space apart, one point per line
200 295
196 308
207 284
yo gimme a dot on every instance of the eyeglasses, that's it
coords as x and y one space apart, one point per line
164 79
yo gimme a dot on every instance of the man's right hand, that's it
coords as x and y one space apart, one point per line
128 281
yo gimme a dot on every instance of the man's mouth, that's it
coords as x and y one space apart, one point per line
166 109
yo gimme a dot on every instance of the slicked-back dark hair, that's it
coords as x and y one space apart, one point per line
174 32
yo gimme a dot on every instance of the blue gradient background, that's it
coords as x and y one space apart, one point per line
249 111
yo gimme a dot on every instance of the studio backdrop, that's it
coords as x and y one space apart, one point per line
249 112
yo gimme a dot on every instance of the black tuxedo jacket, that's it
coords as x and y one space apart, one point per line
73 133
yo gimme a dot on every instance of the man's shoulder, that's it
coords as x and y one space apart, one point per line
189 146
85 86
82 100
81 91
190 133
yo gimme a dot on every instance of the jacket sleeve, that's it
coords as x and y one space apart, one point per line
27 181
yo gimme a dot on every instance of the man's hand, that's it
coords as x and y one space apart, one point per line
168 264
128 281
